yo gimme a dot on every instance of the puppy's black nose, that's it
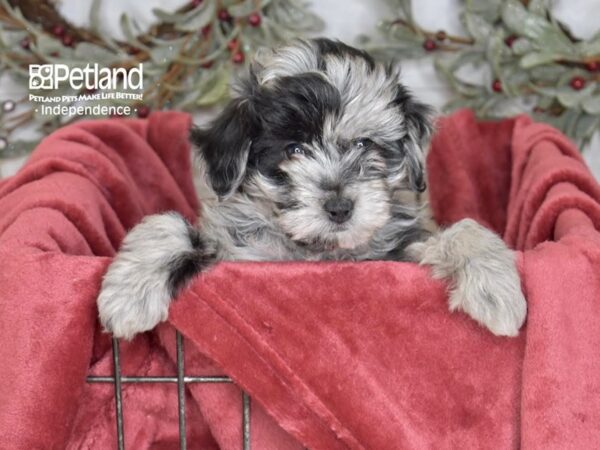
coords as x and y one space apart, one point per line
339 209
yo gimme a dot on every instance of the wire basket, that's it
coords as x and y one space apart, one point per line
181 380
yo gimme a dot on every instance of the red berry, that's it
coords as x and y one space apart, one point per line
577 83
25 43
55 54
143 111
58 30
206 30
497 86
593 66
429 45
510 40
232 45
207 65
133 51
238 57
67 40
224 15
254 19
196 3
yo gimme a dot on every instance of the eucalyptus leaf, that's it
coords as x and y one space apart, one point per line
478 27
571 98
565 79
525 23
131 36
522 46
16 68
474 57
570 117
247 7
456 103
87 52
18 148
467 89
170 17
160 42
589 48
406 7
537 59
489 9
472 103
513 80
402 32
545 101
547 73
164 54
586 126
591 105
204 16
558 122
539 7
95 16
547 91
496 51
490 104
217 89
48 46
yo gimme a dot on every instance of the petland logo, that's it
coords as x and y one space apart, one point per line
98 91
50 76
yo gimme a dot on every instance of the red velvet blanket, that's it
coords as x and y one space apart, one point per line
334 355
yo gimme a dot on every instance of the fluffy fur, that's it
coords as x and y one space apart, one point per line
155 258
483 277
319 156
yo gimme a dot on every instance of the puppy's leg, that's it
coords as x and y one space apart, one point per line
156 258
484 281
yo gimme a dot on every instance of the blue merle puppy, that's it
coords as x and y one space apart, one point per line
317 157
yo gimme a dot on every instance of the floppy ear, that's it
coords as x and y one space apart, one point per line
419 126
224 147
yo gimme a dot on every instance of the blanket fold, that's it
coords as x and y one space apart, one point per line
334 355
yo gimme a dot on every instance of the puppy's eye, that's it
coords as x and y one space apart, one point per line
294 150
363 143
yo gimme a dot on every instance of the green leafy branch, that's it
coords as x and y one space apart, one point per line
189 55
531 62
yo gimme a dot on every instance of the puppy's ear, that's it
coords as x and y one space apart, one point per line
224 147
419 127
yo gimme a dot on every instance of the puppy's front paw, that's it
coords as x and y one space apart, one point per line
494 299
127 306
484 280
155 258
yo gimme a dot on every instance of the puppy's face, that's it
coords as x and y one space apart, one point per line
324 138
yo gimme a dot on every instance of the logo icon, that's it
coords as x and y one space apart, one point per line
41 76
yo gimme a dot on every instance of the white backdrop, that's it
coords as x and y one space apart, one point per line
345 20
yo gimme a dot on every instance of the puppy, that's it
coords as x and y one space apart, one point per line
317 157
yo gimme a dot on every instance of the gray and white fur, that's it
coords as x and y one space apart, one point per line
319 156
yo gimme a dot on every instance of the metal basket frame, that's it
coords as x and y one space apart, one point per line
181 380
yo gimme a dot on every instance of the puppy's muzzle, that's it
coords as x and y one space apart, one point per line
339 209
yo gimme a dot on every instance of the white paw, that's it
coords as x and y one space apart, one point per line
483 276
136 289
